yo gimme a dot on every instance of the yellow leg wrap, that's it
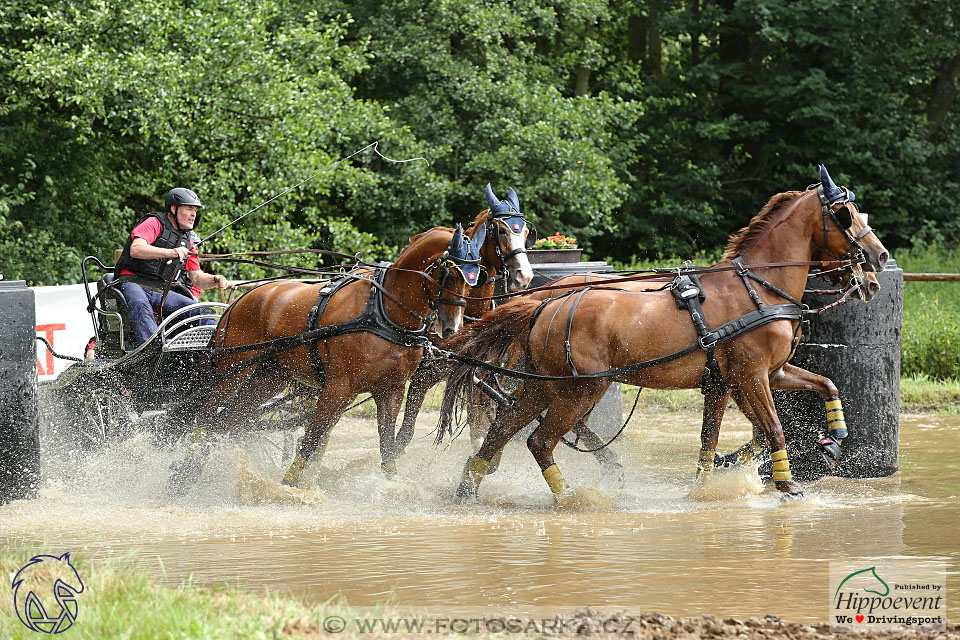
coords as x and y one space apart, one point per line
835 420
705 462
748 452
198 436
781 466
389 468
555 479
292 476
476 469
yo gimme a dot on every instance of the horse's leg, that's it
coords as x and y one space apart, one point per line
317 434
607 457
388 406
756 401
187 471
793 378
714 406
510 420
557 422
753 450
423 379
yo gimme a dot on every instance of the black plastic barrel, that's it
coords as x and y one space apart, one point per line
19 414
857 346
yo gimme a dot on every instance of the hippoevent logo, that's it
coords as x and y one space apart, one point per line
888 594
45 593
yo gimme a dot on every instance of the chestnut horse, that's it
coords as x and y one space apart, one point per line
512 235
859 285
263 342
646 340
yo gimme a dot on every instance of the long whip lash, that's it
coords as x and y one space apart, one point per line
372 145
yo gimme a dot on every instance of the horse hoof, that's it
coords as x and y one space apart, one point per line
796 496
465 495
186 472
613 471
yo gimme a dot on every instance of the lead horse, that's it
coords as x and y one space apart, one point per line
647 339
363 332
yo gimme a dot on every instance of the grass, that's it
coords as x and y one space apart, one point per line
920 394
120 600
931 315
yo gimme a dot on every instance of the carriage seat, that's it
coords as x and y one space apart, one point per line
113 303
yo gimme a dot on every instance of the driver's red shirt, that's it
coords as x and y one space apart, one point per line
149 230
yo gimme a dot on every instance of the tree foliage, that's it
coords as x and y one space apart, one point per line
642 127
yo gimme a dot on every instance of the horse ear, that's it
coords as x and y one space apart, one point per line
512 199
479 237
830 189
457 240
491 199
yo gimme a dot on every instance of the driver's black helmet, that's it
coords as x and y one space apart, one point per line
181 196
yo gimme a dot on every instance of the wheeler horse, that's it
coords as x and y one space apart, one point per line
731 332
362 332
512 235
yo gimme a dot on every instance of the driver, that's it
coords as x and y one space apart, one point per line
156 250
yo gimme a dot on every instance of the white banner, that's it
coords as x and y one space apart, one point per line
63 320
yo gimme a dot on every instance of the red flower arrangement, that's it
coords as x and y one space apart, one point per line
556 241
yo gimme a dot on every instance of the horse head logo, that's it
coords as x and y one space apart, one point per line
869 578
47 579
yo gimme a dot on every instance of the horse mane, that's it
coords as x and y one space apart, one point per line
480 219
742 239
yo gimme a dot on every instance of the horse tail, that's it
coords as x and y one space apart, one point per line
498 332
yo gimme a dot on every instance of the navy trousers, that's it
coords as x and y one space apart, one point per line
141 303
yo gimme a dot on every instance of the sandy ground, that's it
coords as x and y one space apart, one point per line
647 626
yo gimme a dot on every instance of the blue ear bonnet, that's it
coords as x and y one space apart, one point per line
830 192
507 210
465 254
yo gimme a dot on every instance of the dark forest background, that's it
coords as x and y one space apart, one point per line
643 128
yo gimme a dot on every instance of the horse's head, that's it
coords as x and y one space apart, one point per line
866 283
511 235
457 270
845 229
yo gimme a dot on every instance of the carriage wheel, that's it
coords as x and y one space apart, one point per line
105 417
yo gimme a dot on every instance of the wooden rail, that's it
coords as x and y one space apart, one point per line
932 277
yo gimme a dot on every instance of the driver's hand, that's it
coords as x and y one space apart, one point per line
220 281
182 253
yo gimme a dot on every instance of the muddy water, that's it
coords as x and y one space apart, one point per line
734 549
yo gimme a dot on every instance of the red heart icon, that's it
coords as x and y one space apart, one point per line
859 618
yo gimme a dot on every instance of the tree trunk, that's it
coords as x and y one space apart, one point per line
636 38
945 90
654 45
695 33
583 73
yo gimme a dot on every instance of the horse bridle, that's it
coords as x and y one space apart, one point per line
494 220
843 218
445 264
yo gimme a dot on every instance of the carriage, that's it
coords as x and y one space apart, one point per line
128 388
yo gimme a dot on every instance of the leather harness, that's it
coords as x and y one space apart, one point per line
373 320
